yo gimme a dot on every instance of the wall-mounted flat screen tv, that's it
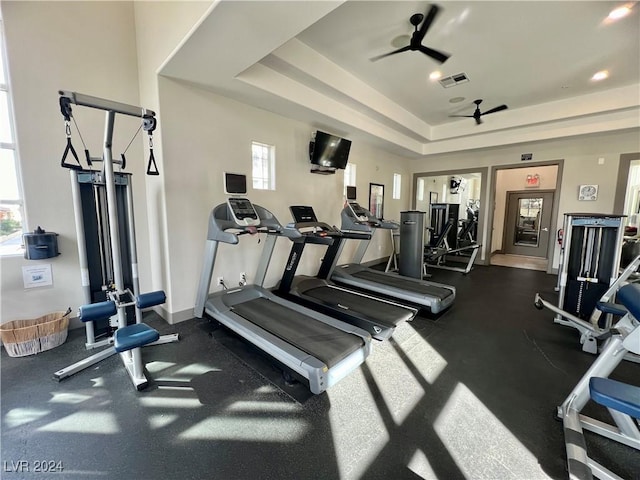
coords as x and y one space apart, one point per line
329 151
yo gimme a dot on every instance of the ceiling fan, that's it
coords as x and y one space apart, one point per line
418 35
477 114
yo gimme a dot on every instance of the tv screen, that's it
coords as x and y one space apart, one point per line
351 193
330 151
235 184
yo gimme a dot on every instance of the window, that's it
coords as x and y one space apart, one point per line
349 176
397 186
263 171
11 205
421 189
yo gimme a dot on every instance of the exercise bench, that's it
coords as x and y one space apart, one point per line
622 400
126 340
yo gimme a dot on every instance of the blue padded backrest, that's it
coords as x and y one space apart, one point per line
629 296
619 396
612 308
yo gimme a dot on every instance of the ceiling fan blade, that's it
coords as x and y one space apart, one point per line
435 54
462 116
428 20
478 120
400 50
496 109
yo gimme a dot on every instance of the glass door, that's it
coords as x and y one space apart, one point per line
528 221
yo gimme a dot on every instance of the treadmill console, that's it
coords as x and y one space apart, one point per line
303 214
242 211
361 214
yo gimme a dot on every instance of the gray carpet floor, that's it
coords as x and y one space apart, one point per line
471 394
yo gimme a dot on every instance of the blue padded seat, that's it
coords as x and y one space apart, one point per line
619 396
629 296
612 308
133 336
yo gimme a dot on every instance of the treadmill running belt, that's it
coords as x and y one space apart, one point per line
408 285
382 313
324 342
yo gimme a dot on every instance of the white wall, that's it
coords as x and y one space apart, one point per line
79 46
160 28
205 134
581 166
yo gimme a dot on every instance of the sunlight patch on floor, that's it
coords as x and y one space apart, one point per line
361 437
479 443
157 366
419 464
90 422
71 398
21 416
169 402
196 369
423 356
398 386
261 430
161 420
260 406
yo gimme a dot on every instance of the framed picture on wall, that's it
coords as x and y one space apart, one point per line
376 199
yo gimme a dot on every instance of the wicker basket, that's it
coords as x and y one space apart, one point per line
28 337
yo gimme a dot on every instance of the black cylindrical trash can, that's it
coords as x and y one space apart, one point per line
411 243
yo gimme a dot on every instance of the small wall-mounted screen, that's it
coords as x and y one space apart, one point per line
235 184
351 193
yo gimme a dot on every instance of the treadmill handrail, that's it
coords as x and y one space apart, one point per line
223 228
350 222
316 227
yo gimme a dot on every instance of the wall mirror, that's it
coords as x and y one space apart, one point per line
457 193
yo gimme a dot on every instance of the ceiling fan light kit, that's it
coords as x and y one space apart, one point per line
478 114
415 43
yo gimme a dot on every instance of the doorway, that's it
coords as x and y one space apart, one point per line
533 180
528 223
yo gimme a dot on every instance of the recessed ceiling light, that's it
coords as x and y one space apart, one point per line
601 75
435 75
456 100
620 12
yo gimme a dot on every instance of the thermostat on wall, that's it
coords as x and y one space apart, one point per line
588 192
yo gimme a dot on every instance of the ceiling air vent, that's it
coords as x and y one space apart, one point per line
452 80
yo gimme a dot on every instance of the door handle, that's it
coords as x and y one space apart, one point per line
545 229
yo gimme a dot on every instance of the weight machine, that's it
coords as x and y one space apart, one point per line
443 243
103 208
592 247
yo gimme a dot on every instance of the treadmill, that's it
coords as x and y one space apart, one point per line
432 296
377 316
320 349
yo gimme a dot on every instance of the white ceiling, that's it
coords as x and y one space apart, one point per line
310 60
